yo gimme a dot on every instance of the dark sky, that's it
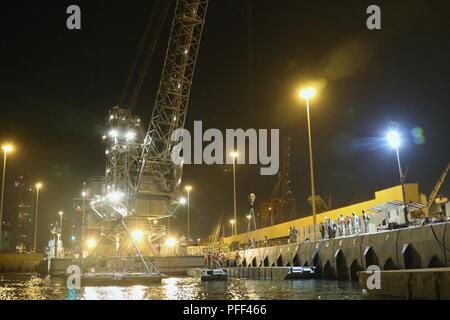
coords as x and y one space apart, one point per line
58 85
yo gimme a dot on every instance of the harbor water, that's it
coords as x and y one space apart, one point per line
35 287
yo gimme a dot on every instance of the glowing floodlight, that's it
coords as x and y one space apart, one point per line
393 138
171 242
307 93
138 235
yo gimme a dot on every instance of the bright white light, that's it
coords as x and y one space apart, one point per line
84 194
307 93
114 133
393 137
131 135
115 196
171 242
183 201
91 243
138 235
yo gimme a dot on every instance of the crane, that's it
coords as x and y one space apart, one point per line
141 183
438 185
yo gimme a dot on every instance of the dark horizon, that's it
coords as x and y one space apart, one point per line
58 86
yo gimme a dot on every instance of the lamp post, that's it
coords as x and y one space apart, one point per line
393 138
60 213
188 190
307 94
234 155
38 187
232 222
83 195
6 149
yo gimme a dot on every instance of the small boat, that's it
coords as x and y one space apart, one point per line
295 273
110 279
214 275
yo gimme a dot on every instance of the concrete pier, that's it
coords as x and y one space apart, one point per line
19 263
410 284
343 258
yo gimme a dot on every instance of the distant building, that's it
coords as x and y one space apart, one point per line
23 235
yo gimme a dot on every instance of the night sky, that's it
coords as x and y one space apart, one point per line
58 85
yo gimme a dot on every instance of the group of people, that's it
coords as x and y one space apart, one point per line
214 260
293 235
344 226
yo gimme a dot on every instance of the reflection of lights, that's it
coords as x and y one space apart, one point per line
91 243
171 242
138 235
393 138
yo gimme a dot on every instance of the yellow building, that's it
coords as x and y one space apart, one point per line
384 202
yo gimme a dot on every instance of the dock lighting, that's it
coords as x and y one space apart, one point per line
114 134
171 242
393 138
84 194
91 244
188 188
38 186
249 217
130 135
307 93
73 238
7 148
234 154
183 201
138 235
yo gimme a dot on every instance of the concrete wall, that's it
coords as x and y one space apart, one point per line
12 262
413 248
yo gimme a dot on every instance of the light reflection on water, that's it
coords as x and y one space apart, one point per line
33 287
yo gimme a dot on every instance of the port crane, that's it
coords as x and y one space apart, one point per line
141 182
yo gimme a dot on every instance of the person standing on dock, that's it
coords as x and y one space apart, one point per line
322 230
349 225
341 224
356 224
366 220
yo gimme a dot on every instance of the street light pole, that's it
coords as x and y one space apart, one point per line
38 187
234 155
188 189
402 182
307 94
6 149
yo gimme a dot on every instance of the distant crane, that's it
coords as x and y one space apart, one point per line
438 186
281 206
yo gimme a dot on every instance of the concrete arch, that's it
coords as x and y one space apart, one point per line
435 262
328 272
389 264
411 258
254 262
341 266
354 269
266 261
296 260
370 257
279 261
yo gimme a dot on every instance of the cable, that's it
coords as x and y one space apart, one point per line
148 58
148 28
